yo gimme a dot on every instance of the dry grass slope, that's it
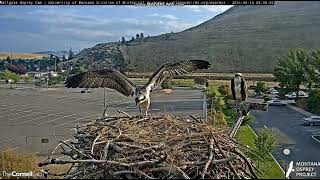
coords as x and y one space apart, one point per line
4 55
244 38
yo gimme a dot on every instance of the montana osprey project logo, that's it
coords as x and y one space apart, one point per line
290 169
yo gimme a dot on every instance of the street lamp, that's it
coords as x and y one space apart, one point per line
286 152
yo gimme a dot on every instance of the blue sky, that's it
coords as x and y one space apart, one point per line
40 28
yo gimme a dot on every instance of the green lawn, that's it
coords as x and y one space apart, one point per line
270 169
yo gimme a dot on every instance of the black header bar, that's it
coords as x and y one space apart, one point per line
137 3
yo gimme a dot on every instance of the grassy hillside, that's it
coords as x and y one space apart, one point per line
4 55
244 38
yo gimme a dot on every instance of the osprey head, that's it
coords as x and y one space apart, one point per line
140 94
238 75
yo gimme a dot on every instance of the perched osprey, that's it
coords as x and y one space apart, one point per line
113 79
239 88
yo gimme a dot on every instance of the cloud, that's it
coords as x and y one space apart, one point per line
53 27
169 16
214 8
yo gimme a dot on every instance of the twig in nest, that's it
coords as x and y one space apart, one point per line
70 146
94 143
223 154
136 164
247 162
194 118
124 113
106 149
209 160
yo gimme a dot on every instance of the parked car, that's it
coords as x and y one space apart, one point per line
312 120
85 91
276 102
200 87
274 92
293 95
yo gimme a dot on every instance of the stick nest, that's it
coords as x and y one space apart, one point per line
154 147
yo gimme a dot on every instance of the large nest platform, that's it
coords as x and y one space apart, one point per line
154 147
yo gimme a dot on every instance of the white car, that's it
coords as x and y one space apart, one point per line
276 102
293 95
274 92
85 90
312 120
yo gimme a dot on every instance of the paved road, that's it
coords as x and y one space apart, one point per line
28 115
291 134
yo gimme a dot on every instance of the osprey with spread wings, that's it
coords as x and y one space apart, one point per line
113 79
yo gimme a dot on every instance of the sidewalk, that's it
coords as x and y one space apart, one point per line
300 110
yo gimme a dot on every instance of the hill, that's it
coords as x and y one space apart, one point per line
4 55
243 38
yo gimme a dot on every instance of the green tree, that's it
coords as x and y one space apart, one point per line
315 65
16 78
248 120
28 79
71 54
265 143
261 87
6 74
292 70
167 83
313 102
123 40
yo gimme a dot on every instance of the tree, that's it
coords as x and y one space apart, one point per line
248 120
141 35
137 36
71 54
28 79
265 143
8 58
18 69
292 70
261 87
313 101
315 65
123 40
167 83
132 39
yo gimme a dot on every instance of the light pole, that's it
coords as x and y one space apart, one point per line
286 152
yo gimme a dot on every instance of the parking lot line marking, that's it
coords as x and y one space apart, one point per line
59 118
34 113
25 107
75 120
11 149
36 118
12 139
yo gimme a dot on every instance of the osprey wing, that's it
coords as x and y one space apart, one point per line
109 78
175 69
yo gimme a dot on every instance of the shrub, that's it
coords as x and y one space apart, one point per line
265 143
200 80
167 84
313 102
266 98
248 120
261 87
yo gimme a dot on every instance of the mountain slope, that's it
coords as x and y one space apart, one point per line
244 38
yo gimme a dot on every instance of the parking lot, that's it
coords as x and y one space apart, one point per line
28 117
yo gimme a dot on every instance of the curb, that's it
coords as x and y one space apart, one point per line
269 153
300 110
